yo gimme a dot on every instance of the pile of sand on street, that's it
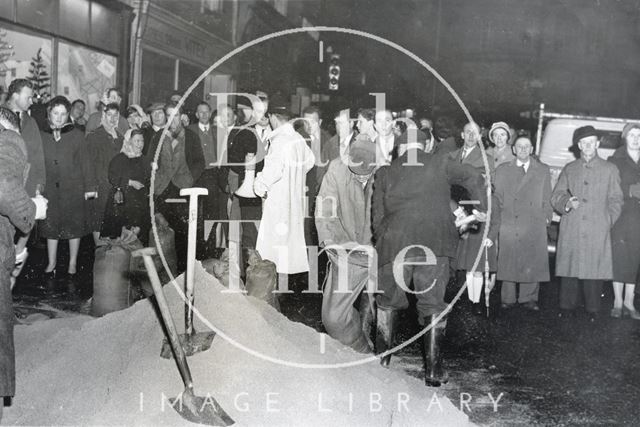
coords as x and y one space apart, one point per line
106 371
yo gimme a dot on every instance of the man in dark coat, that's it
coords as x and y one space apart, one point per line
180 164
17 210
19 99
523 193
414 229
589 198
337 145
213 206
102 145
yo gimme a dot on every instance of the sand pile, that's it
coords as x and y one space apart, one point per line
107 371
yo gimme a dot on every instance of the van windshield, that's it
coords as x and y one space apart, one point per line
610 139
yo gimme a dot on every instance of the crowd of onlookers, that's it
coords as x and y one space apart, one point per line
417 194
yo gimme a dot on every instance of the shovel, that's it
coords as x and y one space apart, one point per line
197 409
193 342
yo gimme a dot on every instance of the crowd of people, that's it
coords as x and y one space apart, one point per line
395 205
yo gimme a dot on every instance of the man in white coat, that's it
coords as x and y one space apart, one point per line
281 186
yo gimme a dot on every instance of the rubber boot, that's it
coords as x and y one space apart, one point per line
434 373
385 332
366 317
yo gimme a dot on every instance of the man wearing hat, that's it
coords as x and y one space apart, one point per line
499 135
281 185
589 198
158 118
343 221
415 239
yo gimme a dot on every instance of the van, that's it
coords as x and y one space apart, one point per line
555 148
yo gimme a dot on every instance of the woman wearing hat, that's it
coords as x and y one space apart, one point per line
625 234
500 135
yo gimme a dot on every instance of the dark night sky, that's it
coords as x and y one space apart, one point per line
501 56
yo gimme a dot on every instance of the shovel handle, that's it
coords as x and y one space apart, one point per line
193 194
174 340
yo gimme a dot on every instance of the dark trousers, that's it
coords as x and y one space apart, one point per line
429 282
212 207
177 215
250 209
569 292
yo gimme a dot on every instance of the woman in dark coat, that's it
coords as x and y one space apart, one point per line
473 242
63 147
625 234
129 172
103 144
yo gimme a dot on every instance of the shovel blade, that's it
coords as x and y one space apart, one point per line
191 344
201 410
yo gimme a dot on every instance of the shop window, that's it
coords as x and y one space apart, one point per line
27 56
105 27
7 8
85 73
158 73
74 19
40 14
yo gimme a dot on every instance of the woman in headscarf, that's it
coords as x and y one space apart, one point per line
128 202
63 147
625 234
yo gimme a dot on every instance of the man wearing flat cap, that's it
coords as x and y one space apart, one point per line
343 221
415 239
589 198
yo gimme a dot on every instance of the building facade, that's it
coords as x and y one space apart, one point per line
75 48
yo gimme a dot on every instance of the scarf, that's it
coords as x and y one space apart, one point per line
57 131
128 148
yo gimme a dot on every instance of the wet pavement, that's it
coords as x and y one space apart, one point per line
540 369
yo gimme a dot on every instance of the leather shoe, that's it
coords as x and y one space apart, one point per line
616 312
631 313
531 305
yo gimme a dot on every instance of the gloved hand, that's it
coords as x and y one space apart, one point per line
572 204
41 206
634 190
480 216
488 242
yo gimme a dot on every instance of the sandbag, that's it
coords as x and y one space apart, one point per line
111 282
219 268
167 244
262 280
